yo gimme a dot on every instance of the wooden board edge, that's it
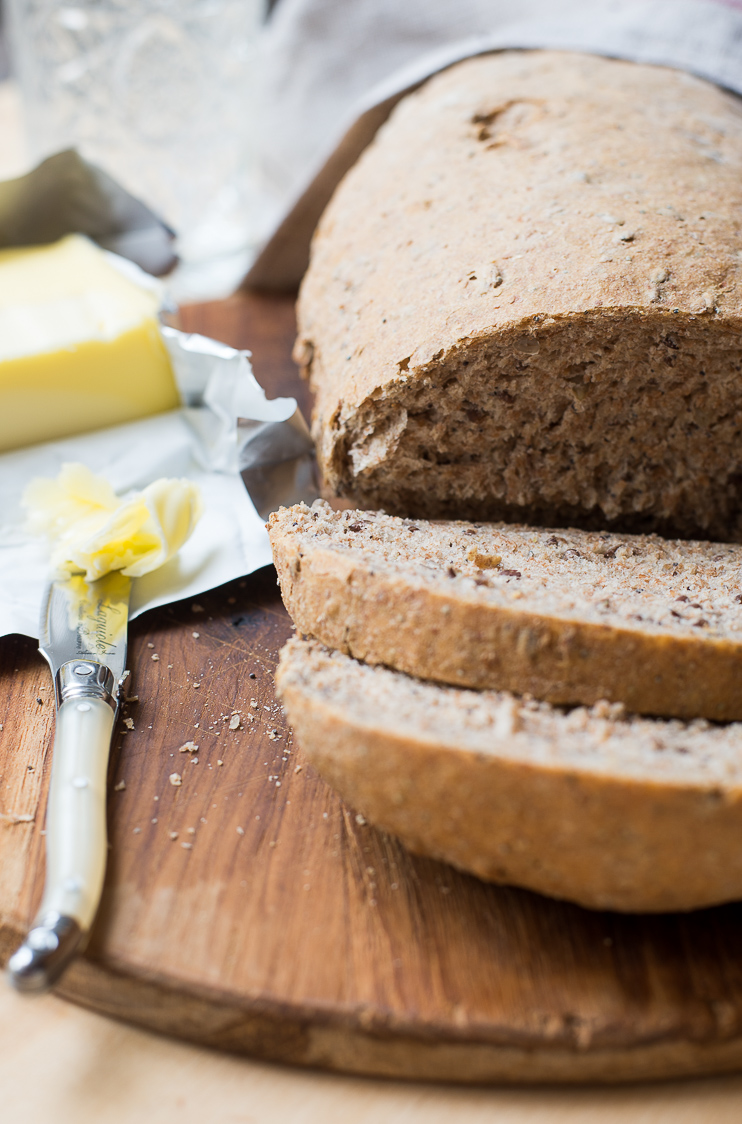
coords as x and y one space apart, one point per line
293 1039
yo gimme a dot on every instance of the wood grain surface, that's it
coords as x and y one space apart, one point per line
250 910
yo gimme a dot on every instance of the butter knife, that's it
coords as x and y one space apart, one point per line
83 638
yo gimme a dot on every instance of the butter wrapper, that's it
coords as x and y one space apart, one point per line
67 195
270 445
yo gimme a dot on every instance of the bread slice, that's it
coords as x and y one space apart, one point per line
524 301
567 616
611 812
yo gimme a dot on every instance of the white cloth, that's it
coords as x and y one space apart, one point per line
334 69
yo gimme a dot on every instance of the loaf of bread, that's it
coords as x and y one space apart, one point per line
525 301
611 812
568 616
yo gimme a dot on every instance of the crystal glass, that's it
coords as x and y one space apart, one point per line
159 93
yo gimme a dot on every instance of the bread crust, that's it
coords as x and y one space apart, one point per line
454 633
603 838
522 303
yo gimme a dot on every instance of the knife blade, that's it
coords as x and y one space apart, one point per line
83 635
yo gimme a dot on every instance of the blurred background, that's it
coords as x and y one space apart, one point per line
162 97
4 62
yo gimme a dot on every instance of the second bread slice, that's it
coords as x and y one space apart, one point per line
568 616
611 812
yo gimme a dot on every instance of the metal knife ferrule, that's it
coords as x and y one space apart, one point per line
84 679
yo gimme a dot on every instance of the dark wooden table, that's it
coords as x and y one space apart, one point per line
249 909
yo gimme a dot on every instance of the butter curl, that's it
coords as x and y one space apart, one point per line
93 531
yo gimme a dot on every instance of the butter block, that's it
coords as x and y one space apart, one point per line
80 346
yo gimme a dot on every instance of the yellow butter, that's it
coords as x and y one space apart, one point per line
92 531
80 348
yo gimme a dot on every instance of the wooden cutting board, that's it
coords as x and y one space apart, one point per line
249 909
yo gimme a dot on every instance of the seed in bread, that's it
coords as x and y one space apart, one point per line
611 812
524 301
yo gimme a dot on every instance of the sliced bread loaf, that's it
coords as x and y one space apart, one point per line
525 301
610 812
567 616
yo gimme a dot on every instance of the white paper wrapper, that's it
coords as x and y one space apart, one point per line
201 441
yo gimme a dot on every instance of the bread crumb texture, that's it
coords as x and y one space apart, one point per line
600 739
524 301
610 811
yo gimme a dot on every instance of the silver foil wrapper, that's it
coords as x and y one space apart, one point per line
67 195
267 443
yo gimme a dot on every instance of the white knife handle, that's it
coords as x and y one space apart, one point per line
76 816
75 843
